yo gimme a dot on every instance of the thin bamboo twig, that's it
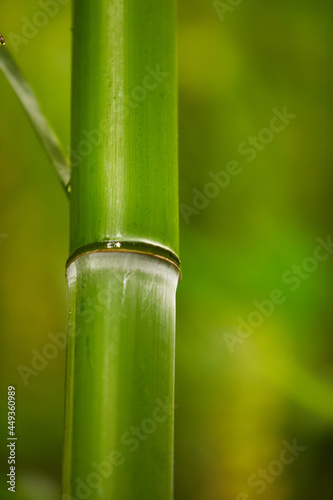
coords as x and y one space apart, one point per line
44 132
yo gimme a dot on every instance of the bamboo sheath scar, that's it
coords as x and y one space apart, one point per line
123 268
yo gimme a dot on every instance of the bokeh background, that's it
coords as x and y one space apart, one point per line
236 409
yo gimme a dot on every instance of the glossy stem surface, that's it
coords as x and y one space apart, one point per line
124 123
124 196
120 378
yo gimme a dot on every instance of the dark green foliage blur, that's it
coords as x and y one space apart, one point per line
250 213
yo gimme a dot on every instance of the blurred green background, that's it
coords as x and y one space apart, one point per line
236 409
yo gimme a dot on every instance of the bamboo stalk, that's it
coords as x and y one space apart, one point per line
124 98
123 265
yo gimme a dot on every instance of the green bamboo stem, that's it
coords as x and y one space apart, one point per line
119 426
124 98
122 269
